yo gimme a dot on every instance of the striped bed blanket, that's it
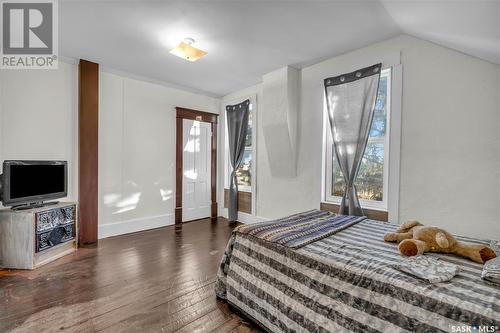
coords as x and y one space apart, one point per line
347 282
300 229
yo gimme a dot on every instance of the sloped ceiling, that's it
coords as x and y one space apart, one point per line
246 39
472 27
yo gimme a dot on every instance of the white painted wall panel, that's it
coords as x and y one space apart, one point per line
40 117
141 143
449 149
280 96
1 123
110 147
149 151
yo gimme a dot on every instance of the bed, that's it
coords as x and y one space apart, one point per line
346 281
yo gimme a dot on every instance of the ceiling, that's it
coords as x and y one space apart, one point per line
472 27
246 39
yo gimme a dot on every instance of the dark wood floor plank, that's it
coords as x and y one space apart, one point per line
245 328
107 311
158 280
206 323
166 306
158 320
172 272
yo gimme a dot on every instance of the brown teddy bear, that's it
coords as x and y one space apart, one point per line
416 239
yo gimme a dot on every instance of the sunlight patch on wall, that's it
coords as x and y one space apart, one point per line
128 203
111 198
166 194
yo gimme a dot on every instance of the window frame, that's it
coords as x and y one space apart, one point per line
328 174
227 164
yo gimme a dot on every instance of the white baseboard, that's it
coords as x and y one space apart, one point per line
135 225
245 218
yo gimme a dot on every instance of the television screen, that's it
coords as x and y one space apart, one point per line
31 181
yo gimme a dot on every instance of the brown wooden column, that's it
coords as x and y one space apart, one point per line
88 109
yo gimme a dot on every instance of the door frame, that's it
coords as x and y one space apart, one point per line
190 114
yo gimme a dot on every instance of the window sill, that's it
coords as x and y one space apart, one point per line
240 190
364 204
371 213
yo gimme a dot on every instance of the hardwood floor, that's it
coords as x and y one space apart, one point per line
159 280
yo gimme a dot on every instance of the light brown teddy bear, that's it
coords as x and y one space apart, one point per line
416 239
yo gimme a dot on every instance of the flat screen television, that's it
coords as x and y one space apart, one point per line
32 182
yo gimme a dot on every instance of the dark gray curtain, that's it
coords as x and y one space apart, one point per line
237 125
351 102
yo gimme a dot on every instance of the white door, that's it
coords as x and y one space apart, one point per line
196 181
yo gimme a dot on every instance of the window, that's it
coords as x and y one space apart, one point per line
372 181
245 171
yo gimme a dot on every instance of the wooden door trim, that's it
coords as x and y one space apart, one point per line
181 114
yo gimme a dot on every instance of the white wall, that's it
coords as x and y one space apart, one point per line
450 154
137 152
39 117
450 145
1 126
39 120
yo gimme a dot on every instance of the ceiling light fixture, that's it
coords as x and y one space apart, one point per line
186 51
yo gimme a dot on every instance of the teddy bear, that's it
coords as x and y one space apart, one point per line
416 238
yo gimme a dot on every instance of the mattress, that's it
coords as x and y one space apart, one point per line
348 282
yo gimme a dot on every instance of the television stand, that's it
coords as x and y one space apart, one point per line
34 205
33 237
